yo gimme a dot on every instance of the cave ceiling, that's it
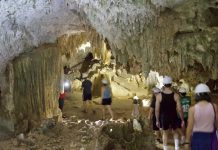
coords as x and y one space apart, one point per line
176 37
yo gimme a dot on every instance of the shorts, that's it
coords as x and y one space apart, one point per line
61 104
168 123
155 128
87 97
106 101
201 141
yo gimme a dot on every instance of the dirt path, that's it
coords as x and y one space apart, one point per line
122 108
78 129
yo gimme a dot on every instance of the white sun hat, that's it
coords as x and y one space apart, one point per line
104 81
182 90
202 88
167 80
135 97
156 90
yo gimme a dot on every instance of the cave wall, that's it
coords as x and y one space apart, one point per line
174 37
33 84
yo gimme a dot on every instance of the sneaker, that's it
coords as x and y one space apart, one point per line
182 140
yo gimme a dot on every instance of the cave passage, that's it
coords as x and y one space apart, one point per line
64 63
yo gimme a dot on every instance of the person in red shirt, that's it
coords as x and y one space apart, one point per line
61 100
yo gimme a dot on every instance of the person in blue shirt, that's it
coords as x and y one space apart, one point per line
106 96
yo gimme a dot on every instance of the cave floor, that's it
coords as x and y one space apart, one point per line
67 135
121 106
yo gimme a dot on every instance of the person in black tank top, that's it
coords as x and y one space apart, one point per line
167 105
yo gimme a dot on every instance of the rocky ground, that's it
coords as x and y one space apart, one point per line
86 131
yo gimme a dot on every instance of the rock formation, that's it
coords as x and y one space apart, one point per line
174 37
32 93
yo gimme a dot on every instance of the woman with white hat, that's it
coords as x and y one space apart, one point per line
106 98
202 119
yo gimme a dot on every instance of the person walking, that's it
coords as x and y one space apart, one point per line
151 116
135 112
185 103
87 93
167 105
106 98
61 100
202 120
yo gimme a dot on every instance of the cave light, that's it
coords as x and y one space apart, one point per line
66 84
84 46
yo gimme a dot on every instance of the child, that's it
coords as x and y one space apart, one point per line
61 100
185 103
136 102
